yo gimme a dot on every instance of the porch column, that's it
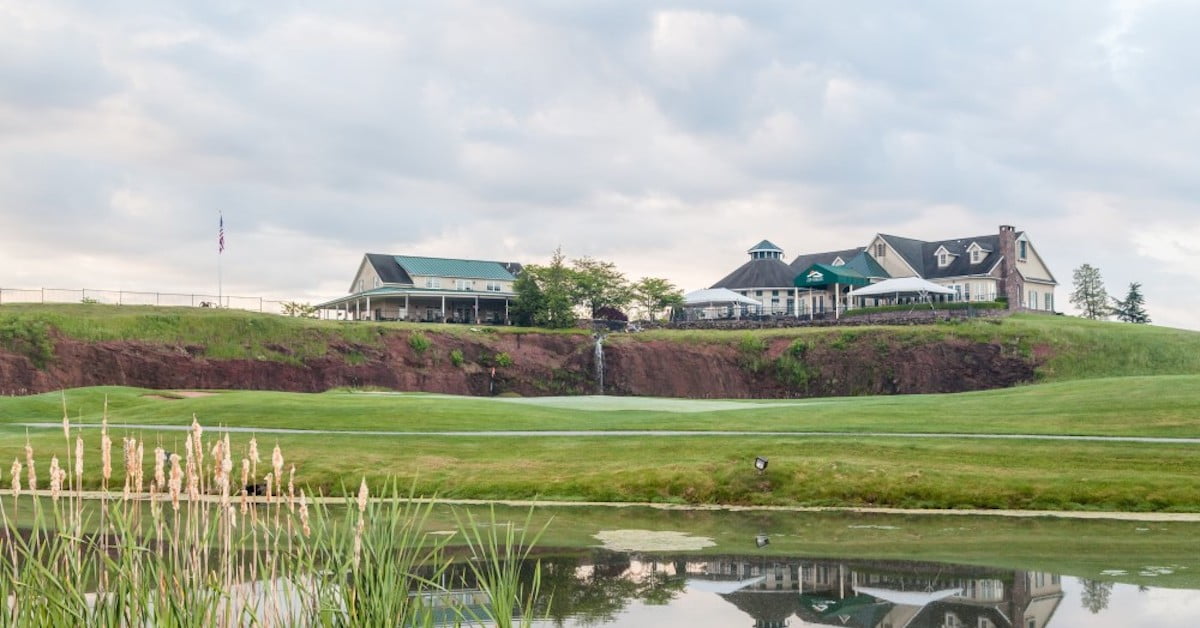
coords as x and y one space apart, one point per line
370 314
796 302
837 300
406 313
444 317
506 321
477 309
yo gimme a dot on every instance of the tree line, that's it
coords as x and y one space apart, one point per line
1093 301
550 295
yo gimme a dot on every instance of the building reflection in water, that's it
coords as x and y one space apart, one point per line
775 592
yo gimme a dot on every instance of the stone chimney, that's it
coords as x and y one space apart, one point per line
1011 284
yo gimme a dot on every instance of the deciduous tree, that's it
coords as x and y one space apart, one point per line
654 294
1089 294
598 284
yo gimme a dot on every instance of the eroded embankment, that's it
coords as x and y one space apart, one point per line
723 365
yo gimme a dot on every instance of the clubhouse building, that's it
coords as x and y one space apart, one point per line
997 266
430 289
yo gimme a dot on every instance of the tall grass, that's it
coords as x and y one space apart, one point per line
189 545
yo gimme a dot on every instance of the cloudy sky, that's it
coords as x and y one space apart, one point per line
666 137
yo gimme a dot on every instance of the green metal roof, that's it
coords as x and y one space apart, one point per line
821 275
866 266
765 245
446 267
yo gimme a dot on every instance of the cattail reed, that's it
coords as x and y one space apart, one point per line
245 485
160 459
139 468
175 484
292 489
304 514
363 496
66 423
105 451
31 469
56 478
16 478
79 463
277 464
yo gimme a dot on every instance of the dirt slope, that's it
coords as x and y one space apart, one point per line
545 364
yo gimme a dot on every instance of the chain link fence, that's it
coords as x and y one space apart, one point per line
133 297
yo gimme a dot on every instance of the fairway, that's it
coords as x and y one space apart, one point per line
919 451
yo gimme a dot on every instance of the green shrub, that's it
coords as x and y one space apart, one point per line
502 359
29 337
456 357
791 370
419 342
752 349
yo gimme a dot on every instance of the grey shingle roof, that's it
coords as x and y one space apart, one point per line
922 256
759 273
387 269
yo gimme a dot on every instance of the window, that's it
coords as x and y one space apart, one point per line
433 282
493 286
880 249
464 284
1023 250
943 259
966 292
1033 300
1049 302
758 293
774 293
976 256
358 286
376 283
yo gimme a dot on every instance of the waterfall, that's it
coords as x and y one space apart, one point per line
599 363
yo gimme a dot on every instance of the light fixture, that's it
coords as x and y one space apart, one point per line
760 463
761 541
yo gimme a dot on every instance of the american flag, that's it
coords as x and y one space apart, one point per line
221 235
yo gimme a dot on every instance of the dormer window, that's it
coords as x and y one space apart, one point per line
880 249
838 262
1022 250
978 253
944 257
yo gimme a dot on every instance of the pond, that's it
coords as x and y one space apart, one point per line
649 567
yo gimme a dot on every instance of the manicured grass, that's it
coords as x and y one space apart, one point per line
829 471
220 333
1131 406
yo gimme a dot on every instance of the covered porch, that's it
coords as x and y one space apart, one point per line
821 287
430 306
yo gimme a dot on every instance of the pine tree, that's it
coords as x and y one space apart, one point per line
1132 308
1089 295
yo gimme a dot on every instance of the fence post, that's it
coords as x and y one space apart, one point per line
260 305
193 300
82 295
43 296
157 299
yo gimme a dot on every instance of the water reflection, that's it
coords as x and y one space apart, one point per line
620 589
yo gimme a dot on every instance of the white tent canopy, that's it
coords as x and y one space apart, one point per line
902 285
716 296
908 598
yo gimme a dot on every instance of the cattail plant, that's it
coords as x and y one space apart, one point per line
31 469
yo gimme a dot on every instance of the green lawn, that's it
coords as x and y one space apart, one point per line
831 470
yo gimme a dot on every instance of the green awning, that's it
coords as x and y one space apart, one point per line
822 275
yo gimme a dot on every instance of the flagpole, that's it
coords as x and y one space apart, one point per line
220 249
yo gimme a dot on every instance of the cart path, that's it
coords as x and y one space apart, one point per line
624 433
